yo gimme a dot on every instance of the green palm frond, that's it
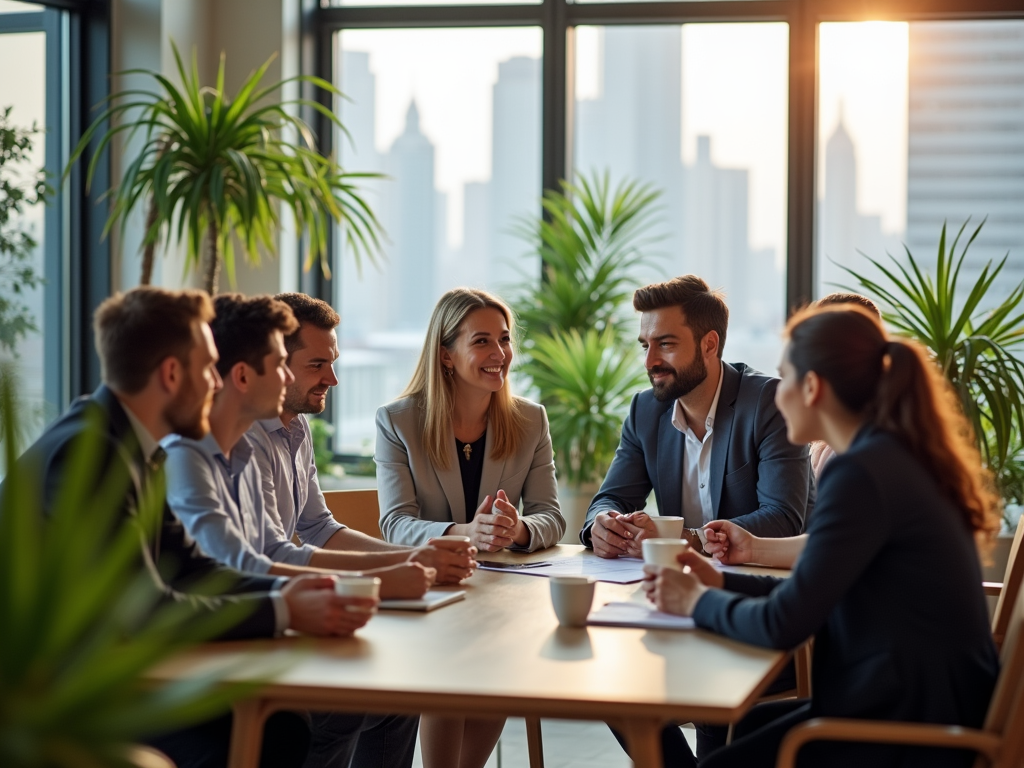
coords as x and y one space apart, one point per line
974 337
588 380
218 167
590 241
83 621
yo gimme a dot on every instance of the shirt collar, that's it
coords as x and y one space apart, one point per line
147 443
679 418
240 454
272 425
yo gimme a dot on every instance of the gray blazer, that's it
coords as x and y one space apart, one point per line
759 480
418 500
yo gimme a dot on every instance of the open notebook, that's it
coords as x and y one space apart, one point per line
434 598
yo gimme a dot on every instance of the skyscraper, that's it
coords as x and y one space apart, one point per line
410 219
966 140
515 187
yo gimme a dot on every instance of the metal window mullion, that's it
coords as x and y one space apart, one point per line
802 152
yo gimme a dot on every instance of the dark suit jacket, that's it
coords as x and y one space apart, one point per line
172 557
890 586
759 479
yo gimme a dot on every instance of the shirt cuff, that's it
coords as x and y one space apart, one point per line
282 616
587 536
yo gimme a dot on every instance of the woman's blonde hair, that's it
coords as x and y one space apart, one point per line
435 391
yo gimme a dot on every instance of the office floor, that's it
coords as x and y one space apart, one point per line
567 744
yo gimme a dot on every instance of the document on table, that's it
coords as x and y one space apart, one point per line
637 615
434 598
619 570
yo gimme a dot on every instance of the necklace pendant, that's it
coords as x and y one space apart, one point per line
467 450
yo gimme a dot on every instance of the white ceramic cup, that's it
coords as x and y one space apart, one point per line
571 597
453 543
668 527
357 586
453 537
663 552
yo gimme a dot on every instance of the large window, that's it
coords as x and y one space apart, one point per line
699 113
451 118
950 147
33 43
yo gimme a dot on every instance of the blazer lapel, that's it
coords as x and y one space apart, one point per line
671 445
723 431
451 481
490 477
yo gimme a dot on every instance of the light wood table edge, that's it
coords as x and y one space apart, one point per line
642 726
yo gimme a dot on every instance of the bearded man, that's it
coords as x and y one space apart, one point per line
707 437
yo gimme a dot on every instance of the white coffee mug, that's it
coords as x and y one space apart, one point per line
668 527
357 586
663 552
571 597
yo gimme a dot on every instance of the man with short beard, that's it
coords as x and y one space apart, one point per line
707 438
159 376
283 449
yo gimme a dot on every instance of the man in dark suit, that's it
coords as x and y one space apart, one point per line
159 375
707 438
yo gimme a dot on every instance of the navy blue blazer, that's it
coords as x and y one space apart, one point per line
759 480
172 557
890 586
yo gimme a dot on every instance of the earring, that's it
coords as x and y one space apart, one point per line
449 371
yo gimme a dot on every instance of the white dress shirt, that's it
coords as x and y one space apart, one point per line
697 507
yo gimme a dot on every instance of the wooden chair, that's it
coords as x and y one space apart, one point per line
360 511
357 509
1009 588
999 743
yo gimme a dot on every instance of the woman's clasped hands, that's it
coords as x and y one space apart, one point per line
678 591
497 525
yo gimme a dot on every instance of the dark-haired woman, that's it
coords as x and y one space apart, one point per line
889 581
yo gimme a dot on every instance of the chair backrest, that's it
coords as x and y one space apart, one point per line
1006 712
358 509
1011 587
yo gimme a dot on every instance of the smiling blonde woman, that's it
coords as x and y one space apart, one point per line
459 454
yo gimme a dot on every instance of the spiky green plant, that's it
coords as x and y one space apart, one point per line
588 380
215 167
82 619
975 338
591 240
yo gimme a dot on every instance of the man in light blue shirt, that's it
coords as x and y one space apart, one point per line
214 488
283 447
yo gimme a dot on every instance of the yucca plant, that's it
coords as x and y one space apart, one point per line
588 380
215 167
591 240
975 338
82 620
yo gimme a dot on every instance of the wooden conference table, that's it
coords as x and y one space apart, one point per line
498 652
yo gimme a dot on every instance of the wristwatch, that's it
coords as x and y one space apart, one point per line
691 537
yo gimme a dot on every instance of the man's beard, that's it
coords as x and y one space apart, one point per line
295 403
682 382
187 415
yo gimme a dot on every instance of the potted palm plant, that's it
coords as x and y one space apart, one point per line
82 621
974 336
584 370
215 169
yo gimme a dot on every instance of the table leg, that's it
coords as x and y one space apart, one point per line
644 739
534 743
247 734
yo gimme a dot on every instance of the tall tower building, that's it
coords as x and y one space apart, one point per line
410 218
515 168
363 291
966 140
634 128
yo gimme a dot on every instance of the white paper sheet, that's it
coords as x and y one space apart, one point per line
434 598
637 615
620 570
